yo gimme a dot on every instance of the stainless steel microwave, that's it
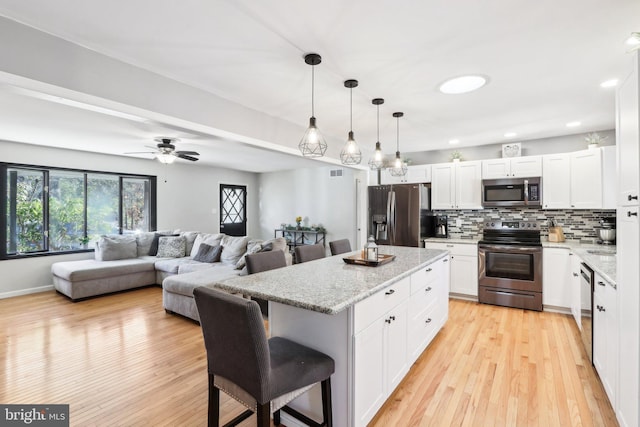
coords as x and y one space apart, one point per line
512 192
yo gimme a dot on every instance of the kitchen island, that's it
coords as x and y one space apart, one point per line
373 321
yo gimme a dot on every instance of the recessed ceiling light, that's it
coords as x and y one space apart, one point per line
573 124
609 83
463 84
454 141
510 134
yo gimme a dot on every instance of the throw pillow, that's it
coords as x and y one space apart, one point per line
111 248
233 247
209 239
254 246
144 241
153 248
190 236
208 253
171 246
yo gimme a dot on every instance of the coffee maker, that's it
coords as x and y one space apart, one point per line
441 226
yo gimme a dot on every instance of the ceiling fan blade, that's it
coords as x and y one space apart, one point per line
188 153
184 156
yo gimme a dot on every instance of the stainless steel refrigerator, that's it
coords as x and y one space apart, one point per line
398 214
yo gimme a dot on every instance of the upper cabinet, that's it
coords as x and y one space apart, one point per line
517 167
627 137
416 174
456 185
579 180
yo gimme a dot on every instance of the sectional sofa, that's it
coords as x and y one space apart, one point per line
179 261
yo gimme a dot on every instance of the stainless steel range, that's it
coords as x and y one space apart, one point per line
510 265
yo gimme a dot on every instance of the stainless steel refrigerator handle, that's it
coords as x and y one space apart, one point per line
526 191
393 217
388 225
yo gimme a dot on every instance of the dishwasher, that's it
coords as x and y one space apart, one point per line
586 296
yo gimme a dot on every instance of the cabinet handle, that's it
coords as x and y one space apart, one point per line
428 320
449 246
630 197
428 289
445 260
392 317
573 206
387 320
428 269
575 274
600 283
630 214
389 292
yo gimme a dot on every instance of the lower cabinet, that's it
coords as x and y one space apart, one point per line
392 328
556 274
464 266
605 335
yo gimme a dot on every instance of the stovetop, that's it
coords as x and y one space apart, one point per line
517 233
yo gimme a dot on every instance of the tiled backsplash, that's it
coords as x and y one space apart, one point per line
576 224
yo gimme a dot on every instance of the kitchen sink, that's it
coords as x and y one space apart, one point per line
601 252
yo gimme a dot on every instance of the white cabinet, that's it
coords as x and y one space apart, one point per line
456 185
628 137
579 180
416 174
556 271
576 289
519 167
556 181
586 179
605 335
463 269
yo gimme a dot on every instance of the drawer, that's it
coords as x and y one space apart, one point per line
370 309
428 275
470 249
422 330
423 300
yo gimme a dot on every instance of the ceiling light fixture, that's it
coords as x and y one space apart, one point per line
350 154
454 141
463 84
573 124
609 83
166 158
399 167
377 162
510 135
312 143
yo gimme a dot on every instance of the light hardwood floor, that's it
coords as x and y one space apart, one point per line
121 360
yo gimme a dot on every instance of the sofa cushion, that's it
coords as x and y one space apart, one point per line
171 247
184 284
89 269
253 246
209 239
114 247
143 242
190 237
172 265
208 253
233 247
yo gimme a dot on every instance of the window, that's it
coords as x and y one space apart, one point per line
52 210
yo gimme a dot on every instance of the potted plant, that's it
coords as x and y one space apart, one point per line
84 241
593 140
298 221
456 156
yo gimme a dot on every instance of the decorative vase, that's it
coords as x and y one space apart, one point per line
298 226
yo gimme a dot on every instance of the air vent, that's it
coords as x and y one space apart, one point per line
336 172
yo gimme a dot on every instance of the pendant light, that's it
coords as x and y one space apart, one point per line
312 143
377 161
399 167
350 154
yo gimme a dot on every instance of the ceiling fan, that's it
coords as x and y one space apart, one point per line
165 151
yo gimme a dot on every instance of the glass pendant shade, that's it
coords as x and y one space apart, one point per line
399 167
312 143
350 154
166 158
377 161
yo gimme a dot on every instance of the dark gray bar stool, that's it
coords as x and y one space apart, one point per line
340 246
307 253
264 261
262 374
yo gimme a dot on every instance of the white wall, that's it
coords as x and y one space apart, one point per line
316 196
187 194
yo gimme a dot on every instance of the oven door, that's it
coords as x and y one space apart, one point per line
510 267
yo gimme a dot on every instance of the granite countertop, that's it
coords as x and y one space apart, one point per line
603 262
329 285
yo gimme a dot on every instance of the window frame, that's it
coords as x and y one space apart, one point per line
45 206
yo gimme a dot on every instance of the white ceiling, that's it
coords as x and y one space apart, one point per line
544 59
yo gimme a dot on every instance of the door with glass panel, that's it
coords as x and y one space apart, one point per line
233 202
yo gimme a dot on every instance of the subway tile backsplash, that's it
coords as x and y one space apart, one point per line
576 224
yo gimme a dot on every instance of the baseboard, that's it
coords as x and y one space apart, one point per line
26 291
463 297
289 421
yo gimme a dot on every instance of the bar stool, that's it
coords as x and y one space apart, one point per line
262 374
307 253
264 261
340 246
